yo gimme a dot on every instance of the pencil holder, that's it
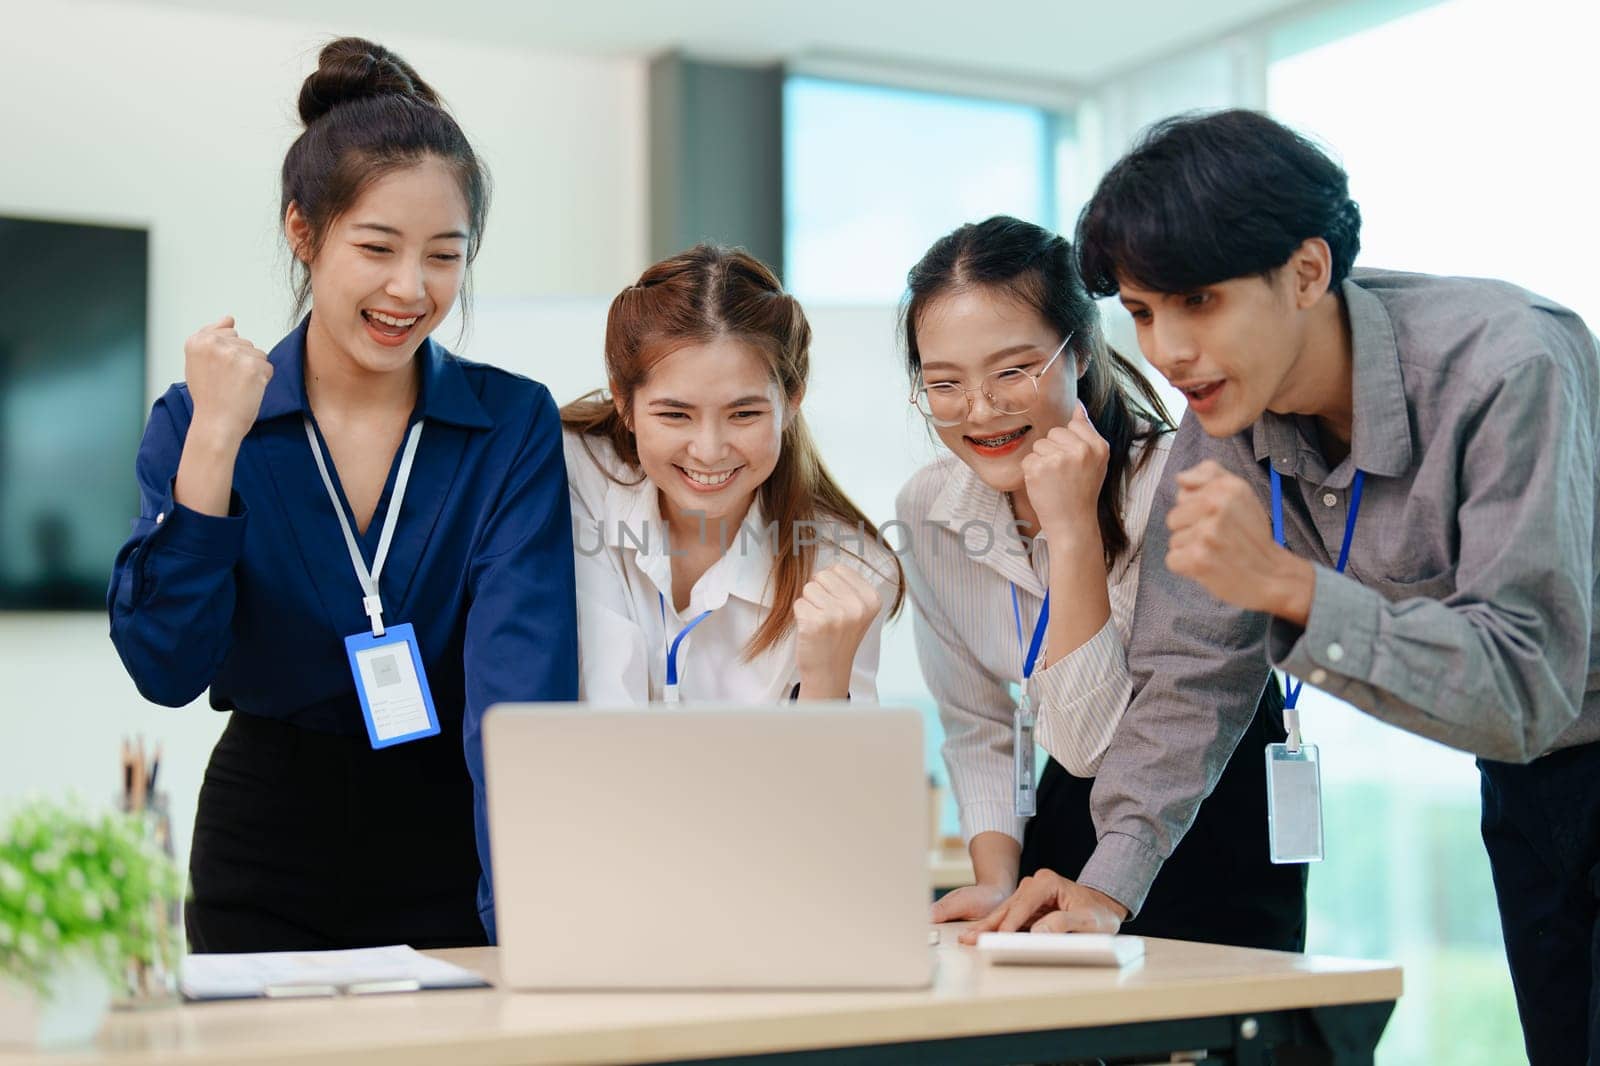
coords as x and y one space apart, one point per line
150 970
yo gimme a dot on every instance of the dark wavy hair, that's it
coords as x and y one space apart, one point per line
1204 198
367 113
1036 268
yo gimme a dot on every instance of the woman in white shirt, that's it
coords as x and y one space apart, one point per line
716 558
1056 445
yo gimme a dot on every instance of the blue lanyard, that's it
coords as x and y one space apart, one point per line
1031 654
1291 695
1022 720
672 648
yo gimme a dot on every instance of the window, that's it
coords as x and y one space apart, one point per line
1479 162
1462 127
872 176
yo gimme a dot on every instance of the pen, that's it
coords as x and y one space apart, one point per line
127 775
138 774
355 988
150 785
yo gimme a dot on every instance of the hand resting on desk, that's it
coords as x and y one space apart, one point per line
1046 902
970 902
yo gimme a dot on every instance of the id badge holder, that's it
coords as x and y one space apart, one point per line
1022 724
1294 804
395 700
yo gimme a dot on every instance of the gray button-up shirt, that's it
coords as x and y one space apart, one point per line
1466 612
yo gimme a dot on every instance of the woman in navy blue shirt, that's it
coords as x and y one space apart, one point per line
357 503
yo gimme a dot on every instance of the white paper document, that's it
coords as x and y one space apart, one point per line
393 694
292 973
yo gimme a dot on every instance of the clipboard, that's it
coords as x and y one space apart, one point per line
307 974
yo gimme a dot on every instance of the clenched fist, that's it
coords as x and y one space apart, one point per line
1222 538
832 615
227 376
1063 474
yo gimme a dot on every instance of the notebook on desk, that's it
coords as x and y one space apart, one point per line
730 848
297 974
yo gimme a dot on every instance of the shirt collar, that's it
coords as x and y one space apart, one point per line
446 396
967 498
745 569
1380 430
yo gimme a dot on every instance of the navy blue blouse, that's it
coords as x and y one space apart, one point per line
256 605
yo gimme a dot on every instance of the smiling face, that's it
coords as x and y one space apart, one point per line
708 422
1233 348
390 268
969 333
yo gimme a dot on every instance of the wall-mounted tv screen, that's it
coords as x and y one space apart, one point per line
72 406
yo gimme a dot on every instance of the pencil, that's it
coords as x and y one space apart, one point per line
138 773
150 785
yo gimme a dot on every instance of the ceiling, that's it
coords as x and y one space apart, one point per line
1067 42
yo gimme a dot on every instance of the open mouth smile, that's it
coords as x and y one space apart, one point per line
388 328
703 481
999 444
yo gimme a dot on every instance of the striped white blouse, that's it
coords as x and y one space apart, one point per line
966 555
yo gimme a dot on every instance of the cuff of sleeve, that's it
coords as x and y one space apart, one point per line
1123 868
202 535
1339 636
1071 693
990 818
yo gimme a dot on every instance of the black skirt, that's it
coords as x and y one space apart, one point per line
1219 885
307 841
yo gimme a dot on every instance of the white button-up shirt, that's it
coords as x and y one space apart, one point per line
966 634
624 577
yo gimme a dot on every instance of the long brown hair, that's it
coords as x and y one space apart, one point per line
696 297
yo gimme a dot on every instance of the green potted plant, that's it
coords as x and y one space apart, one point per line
83 898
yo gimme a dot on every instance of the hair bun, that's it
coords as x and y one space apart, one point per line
353 68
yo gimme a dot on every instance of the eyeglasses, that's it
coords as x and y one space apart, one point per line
1010 392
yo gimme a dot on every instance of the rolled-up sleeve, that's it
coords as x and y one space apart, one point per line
521 635
1499 666
1197 668
172 593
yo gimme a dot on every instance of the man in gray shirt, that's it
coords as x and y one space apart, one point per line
1447 430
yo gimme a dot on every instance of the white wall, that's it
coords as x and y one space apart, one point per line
178 120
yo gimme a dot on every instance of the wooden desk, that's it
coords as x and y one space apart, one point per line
1232 1001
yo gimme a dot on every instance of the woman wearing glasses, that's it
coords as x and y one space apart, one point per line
1023 572
716 557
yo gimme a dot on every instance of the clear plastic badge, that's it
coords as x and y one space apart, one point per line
1294 803
1022 725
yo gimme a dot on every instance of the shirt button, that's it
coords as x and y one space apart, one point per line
1318 676
160 518
1335 652
1330 499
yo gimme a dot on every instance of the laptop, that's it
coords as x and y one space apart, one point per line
728 848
